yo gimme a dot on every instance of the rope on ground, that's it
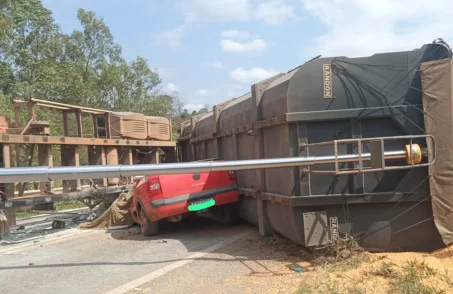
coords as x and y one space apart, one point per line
116 215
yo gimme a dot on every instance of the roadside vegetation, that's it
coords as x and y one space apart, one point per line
361 272
58 206
68 204
345 268
84 67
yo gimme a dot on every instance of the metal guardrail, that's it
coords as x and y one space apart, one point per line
412 154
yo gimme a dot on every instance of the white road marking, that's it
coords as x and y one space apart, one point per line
168 268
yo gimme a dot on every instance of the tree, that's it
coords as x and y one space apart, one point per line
84 68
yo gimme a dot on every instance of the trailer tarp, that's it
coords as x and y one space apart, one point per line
437 89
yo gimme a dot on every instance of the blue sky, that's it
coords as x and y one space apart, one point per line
212 50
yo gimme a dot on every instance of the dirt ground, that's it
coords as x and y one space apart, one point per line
276 266
360 272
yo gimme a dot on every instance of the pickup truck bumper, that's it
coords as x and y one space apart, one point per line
172 206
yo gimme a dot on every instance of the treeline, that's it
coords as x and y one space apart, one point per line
85 67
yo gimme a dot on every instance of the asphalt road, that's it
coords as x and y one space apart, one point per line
121 261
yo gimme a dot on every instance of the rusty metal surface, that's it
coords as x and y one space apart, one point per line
236 114
54 140
59 106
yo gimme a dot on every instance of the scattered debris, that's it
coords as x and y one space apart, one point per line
3 223
117 214
345 253
91 217
297 269
31 263
58 224
8 239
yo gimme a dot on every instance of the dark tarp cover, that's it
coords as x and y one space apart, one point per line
438 107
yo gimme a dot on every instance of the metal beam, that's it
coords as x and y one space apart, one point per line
54 140
45 173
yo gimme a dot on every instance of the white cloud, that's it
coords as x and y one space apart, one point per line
215 64
215 10
252 75
172 87
205 92
233 34
275 12
172 37
360 28
257 45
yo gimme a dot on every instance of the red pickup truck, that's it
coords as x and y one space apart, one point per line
171 197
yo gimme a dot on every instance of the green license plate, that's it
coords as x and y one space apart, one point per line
201 204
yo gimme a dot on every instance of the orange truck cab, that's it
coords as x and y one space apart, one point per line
171 197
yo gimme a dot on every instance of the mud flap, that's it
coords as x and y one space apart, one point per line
316 228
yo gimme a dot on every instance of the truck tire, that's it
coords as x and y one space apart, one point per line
228 213
148 227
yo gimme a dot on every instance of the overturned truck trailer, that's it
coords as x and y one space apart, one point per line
327 99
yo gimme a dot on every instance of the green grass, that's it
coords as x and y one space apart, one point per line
447 278
68 204
305 289
342 265
59 206
386 270
25 214
410 280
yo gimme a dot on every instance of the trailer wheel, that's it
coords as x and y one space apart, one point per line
228 213
148 227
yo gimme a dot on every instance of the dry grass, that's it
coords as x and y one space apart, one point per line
345 268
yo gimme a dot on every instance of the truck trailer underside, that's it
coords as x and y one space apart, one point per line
327 99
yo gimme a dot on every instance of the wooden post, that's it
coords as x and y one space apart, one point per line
96 156
9 188
31 110
45 158
95 126
79 121
108 125
155 156
171 130
70 157
104 162
125 157
18 123
65 123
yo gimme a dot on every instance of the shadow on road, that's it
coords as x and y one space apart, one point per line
196 234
